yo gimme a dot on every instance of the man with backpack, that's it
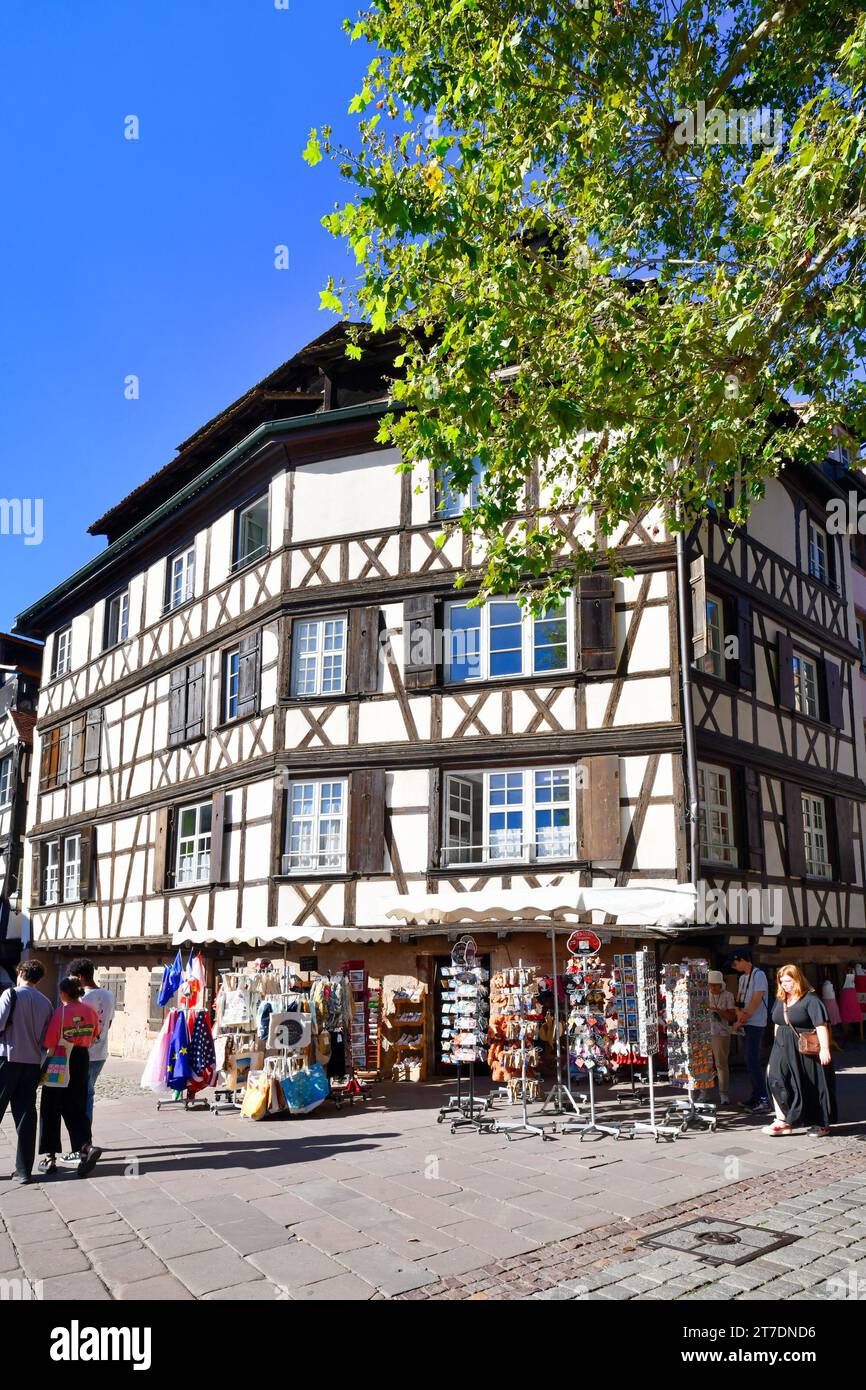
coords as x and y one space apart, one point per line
25 1014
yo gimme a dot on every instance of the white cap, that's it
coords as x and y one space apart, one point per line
715 977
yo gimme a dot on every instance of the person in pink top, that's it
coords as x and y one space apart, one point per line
76 1025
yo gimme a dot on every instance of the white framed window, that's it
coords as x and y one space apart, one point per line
192 863
116 620
71 868
181 577
316 826
5 782
818 563
806 685
713 663
861 642
319 656
501 639
251 531
50 874
62 652
815 836
450 501
231 681
718 842
520 815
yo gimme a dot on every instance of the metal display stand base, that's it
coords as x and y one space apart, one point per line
665 1132
560 1097
465 1111
188 1103
691 1113
590 1126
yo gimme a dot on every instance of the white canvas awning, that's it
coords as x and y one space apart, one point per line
275 936
647 905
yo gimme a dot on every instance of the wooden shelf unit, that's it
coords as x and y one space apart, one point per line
400 1026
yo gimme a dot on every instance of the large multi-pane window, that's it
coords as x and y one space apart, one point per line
319 656
251 532
5 781
816 837
502 639
51 873
62 652
452 501
718 843
316 826
806 685
116 620
71 868
818 561
192 864
523 815
181 577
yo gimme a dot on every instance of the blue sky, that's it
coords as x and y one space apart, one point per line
152 257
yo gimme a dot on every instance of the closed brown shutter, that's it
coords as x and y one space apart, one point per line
597 623
698 585
217 836
844 816
362 671
793 801
419 639
87 842
249 675
38 874
63 755
745 645
48 760
92 741
833 695
195 700
177 706
367 821
76 748
753 820
161 848
602 835
785 653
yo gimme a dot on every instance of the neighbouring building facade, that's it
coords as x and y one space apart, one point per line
267 716
20 668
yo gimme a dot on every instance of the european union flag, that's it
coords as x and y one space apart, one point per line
171 978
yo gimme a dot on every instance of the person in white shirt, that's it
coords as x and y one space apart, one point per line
102 1000
752 995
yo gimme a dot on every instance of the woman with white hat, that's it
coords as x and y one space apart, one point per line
722 1014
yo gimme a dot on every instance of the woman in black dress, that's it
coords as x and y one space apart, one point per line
802 1087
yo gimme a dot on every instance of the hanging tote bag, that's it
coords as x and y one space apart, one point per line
306 1089
256 1097
55 1068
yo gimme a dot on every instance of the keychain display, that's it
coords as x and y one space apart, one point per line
589 993
687 1014
515 1033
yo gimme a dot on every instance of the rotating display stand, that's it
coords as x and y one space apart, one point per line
559 1096
465 1027
587 1035
690 1055
644 995
523 1016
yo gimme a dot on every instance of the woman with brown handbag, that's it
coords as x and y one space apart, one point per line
800 1077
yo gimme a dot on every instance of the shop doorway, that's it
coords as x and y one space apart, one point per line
441 1067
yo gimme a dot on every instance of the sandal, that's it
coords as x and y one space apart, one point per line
48 1165
777 1129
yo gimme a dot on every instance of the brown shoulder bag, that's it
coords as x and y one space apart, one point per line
808 1043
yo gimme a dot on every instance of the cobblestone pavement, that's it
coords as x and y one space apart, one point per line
381 1202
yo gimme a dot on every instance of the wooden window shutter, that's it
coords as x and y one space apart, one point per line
753 820
785 652
698 585
833 695
50 759
419 638
92 741
793 802
38 874
195 700
177 706
161 848
217 836
602 833
844 818
362 668
87 842
249 675
64 734
76 747
597 623
745 645
367 821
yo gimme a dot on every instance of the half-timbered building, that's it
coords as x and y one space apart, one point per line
267 717
20 668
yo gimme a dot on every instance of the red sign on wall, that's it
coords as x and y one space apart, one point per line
583 943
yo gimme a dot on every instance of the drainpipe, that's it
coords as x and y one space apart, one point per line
683 606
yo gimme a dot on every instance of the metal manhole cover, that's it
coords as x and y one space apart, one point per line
719 1242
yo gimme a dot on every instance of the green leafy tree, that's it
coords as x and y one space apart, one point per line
622 238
